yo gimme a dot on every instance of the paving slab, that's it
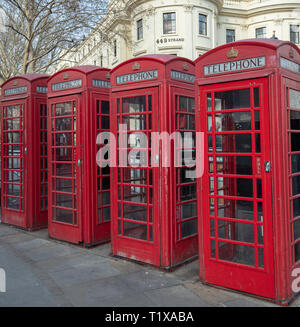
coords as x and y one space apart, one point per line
143 280
96 293
84 273
53 250
176 296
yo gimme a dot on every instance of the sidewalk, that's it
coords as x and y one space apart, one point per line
44 272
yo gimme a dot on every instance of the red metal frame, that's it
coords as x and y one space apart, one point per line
79 202
144 223
24 176
249 247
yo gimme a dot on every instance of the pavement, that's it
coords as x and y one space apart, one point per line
41 272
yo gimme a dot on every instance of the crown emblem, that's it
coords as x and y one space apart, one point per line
66 76
15 83
108 75
291 53
136 66
232 53
185 66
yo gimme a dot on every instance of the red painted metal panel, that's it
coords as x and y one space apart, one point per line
162 85
229 257
23 100
79 202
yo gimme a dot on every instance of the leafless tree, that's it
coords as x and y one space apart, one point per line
38 32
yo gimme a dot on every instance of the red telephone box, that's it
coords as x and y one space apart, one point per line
24 169
154 219
79 190
249 95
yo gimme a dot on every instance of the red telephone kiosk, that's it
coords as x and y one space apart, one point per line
154 219
24 169
79 189
249 95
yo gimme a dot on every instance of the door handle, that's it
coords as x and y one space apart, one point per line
79 162
25 150
268 166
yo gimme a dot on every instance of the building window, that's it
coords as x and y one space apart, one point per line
101 60
115 48
202 24
230 36
169 23
261 33
294 33
139 29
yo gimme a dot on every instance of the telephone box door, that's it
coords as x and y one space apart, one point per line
65 221
237 202
14 150
184 221
135 215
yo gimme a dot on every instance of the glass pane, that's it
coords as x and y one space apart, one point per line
295 120
64 216
296 208
106 214
295 163
63 185
296 229
187 192
135 194
188 228
242 187
256 98
294 99
240 143
104 107
234 99
234 165
134 230
185 122
261 258
186 104
237 253
13 203
295 142
135 176
296 185
64 200
14 124
64 170
13 111
135 122
64 109
134 104
236 121
209 102
297 252
228 208
135 212
188 210
236 231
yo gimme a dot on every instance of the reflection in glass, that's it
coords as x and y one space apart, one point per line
135 231
295 120
234 99
188 228
235 209
235 121
295 142
134 104
237 253
239 143
236 231
135 212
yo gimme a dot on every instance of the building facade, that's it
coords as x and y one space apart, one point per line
185 28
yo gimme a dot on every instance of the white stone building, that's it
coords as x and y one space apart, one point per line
185 28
